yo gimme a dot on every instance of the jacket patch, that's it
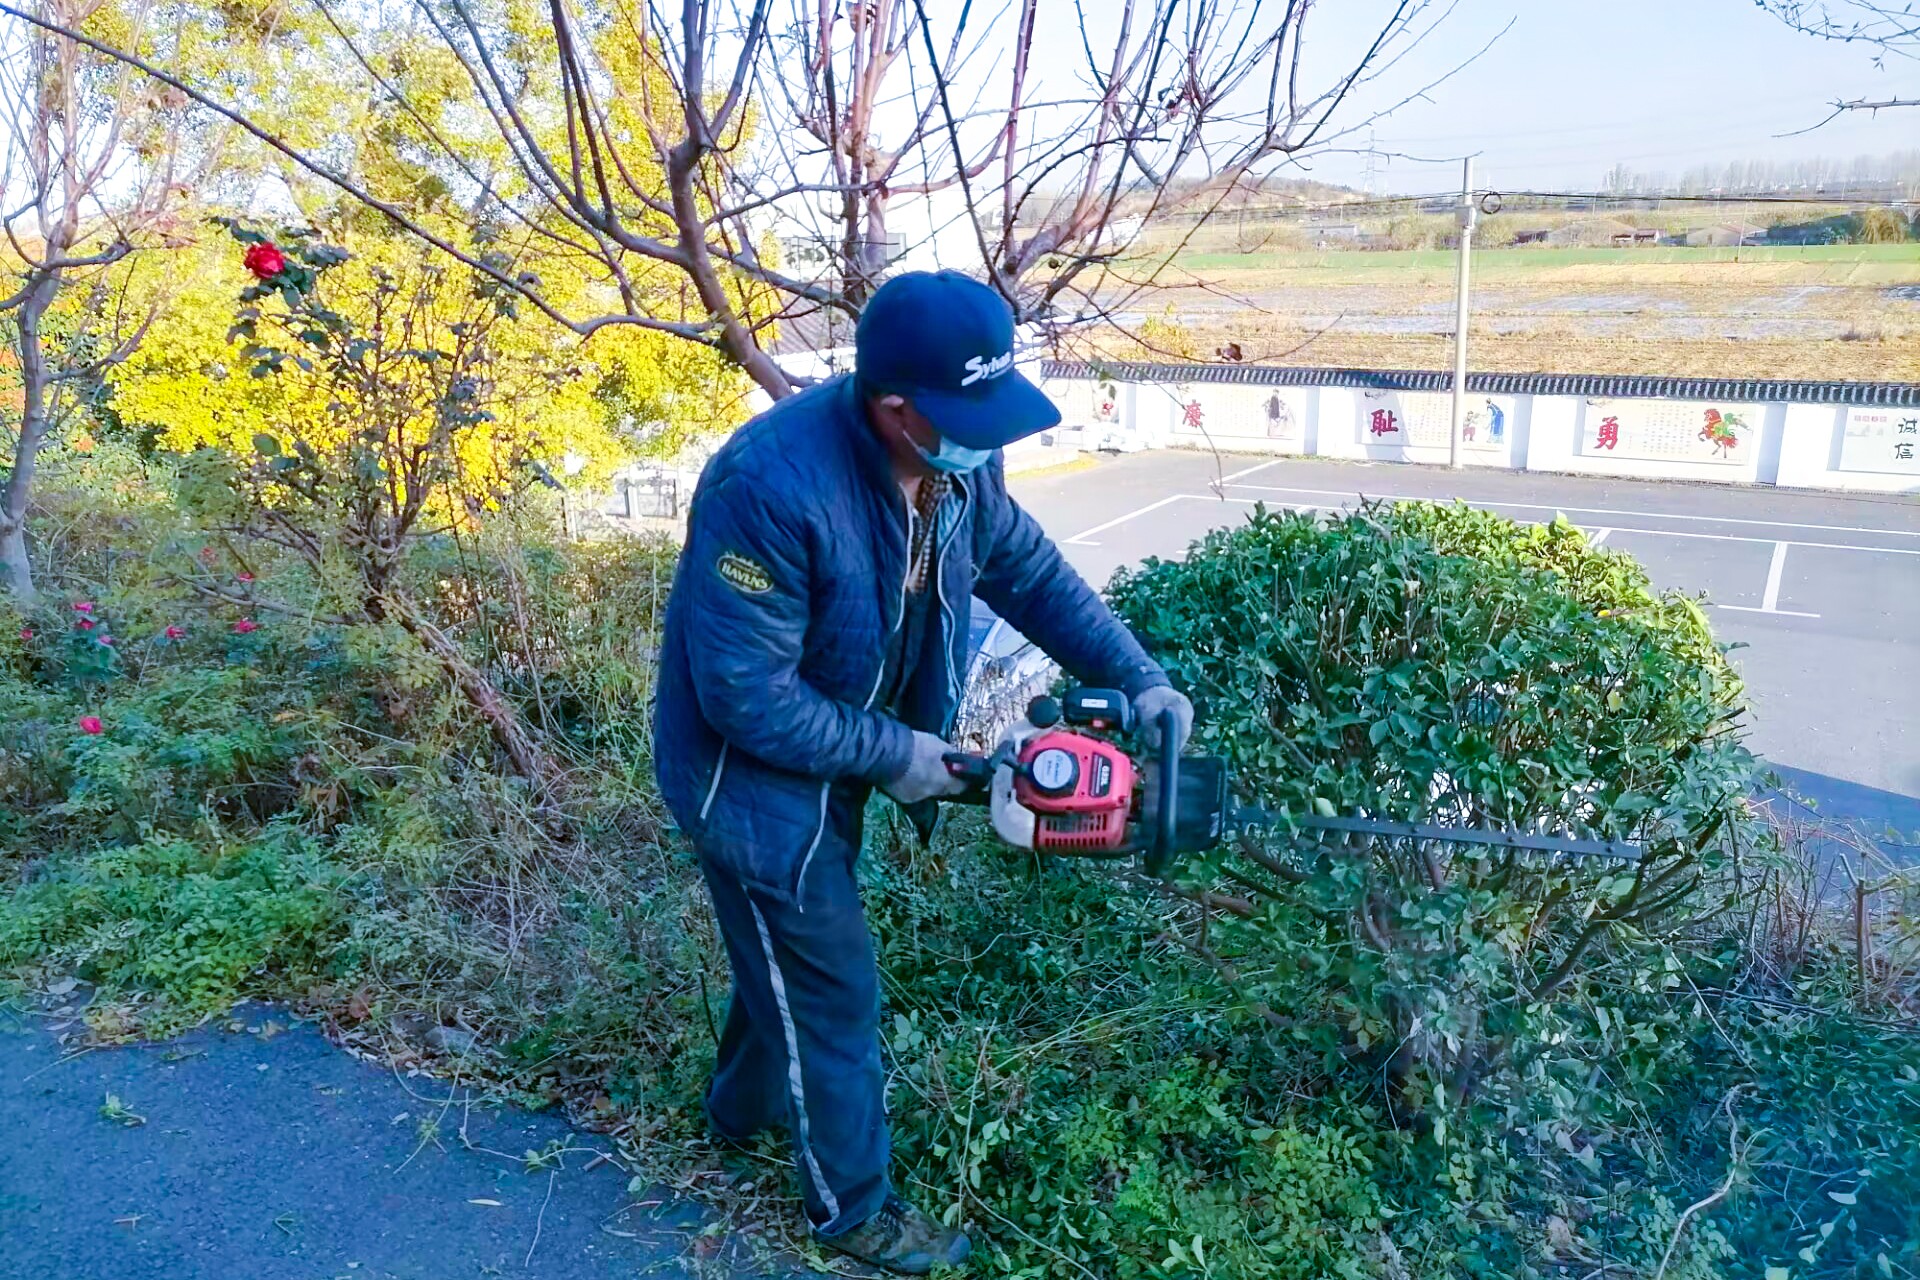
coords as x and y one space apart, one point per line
743 574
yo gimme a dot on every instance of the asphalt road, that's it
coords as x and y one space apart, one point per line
1823 589
251 1155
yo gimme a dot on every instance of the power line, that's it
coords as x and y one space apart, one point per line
1388 203
1669 197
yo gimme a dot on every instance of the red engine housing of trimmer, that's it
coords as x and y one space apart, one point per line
1079 789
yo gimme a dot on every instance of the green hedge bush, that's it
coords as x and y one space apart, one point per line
1446 666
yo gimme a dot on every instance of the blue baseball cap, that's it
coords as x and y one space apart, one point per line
944 341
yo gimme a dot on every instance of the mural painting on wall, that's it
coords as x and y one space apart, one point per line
1097 402
1274 416
1424 420
1881 440
1668 430
1282 424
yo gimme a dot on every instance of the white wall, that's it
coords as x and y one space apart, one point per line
1728 442
1416 426
1239 419
1815 451
1652 439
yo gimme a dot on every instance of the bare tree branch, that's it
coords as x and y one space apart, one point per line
1878 23
1888 27
347 185
1841 108
668 146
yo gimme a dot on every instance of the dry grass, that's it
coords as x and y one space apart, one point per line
1770 317
1554 349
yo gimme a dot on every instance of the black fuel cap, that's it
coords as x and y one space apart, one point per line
1043 712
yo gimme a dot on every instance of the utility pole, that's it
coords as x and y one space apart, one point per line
1467 212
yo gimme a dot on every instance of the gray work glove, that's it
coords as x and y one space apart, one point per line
1147 708
927 776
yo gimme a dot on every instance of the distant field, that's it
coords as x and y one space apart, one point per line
1841 311
1905 258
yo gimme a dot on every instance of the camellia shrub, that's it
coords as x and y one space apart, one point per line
1444 666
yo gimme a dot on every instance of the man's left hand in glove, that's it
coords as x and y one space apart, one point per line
1148 706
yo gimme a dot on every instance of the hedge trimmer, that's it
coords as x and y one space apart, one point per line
1060 783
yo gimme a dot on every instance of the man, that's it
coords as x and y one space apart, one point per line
814 645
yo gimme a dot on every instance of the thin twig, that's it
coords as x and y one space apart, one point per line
541 1220
1733 1171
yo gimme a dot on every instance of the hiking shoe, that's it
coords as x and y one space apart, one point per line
901 1239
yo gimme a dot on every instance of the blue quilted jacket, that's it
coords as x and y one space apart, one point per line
788 591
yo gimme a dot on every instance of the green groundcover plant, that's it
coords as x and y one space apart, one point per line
1298 1060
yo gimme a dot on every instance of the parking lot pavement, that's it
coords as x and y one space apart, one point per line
1822 589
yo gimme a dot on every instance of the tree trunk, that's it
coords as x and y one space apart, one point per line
735 338
16 572
528 760
16 569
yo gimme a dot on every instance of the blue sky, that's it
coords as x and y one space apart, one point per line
1578 85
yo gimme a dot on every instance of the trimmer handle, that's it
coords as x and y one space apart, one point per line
1163 825
975 771
1183 804
968 767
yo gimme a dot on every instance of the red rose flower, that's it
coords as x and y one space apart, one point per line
85 624
26 633
83 606
176 633
245 625
91 724
265 260
244 577
107 641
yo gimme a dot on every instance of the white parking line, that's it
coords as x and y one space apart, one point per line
1740 537
1598 536
1591 511
1770 598
1247 471
1080 539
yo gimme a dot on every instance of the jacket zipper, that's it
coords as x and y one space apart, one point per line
946 610
826 788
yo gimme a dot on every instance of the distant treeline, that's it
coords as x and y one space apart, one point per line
1893 176
1548 222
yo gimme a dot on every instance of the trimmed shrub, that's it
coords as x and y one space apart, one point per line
1446 666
